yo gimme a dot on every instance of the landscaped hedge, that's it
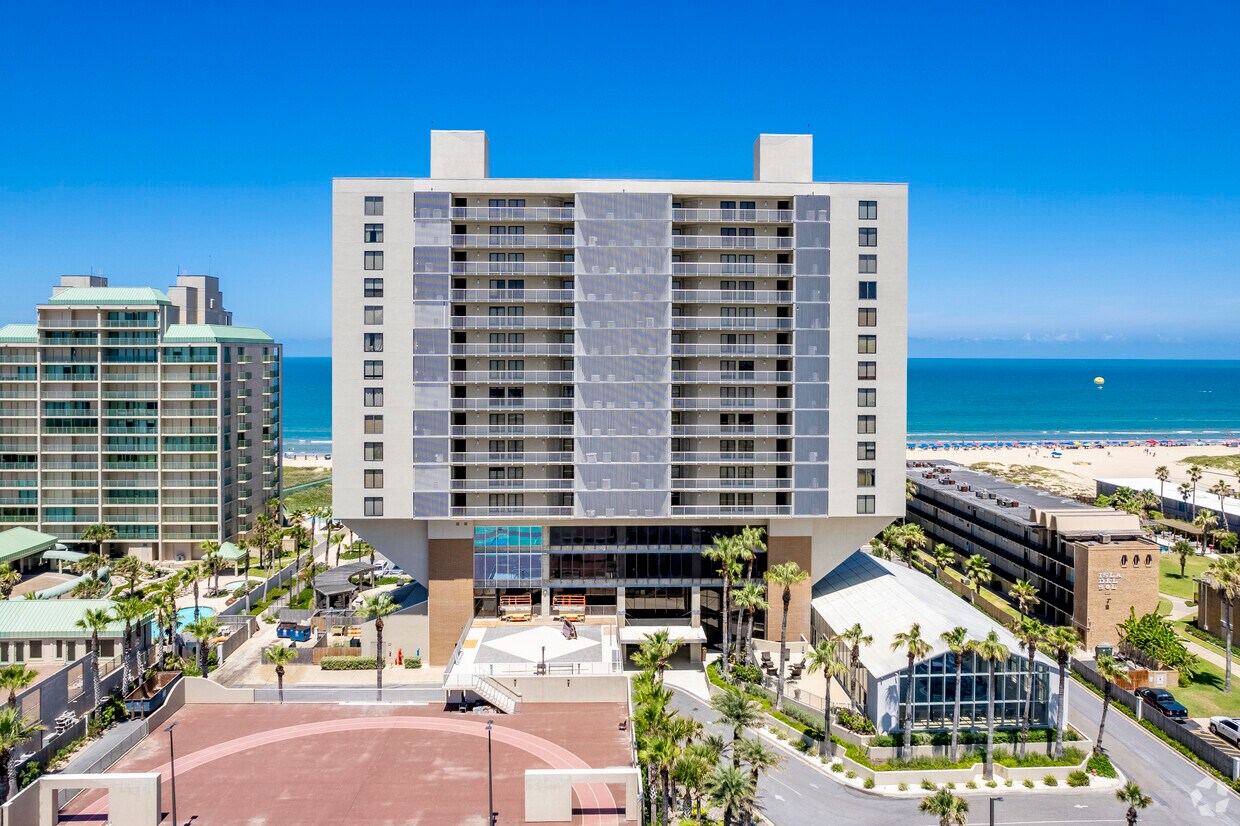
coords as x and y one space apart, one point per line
412 662
348 663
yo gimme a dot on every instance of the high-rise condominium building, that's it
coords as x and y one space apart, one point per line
553 389
140 409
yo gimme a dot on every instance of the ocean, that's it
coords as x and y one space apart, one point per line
961 399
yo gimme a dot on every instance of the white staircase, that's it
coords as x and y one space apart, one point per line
492 691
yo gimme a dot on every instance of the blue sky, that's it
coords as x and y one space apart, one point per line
1073 168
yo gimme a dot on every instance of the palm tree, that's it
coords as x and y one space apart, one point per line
910 489
14 678
243 544
759 757
656 651
735 709
1206 520
98 534
916 648
8 580
1111 672
976 574
691 772
89 564
1025 594
1135 798
992 652
95 620
212 562
1030 633
1162 474
203 630
164 603
128 568
189 576
336 539
86 588
1195 473
1060 642
15 729
784 575
1224 573
750 599
731 790
376 607
826 657
131 611
1183 549
879 547
947 807
855 638
912 540
371 548
1185 490
280 656
662 751
725 550
957 641
944 558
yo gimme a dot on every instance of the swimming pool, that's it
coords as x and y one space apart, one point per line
235 584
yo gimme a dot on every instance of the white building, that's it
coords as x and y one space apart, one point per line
555 388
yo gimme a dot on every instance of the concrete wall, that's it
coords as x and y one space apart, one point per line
796 549
202 691
451 589
407 632
609 688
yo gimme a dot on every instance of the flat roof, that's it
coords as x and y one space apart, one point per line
887 598
1171 490
636 634
19 334
1026 497
17 543
119 296
336 580
51 618
215 333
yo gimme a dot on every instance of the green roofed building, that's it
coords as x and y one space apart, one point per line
143 409
44 631
17 545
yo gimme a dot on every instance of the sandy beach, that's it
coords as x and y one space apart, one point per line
1074 472
303 460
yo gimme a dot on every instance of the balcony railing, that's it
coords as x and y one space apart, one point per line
744 457
531 403
53 448
184 375
730 323
507 376
531 457
516 241
710 350
512 267
531 349
507 213
511 484
533 295
531 430
731 484
730 404
732 296
740 216
62 393
512 322
731 510
68 323
190 412
514 511
730 242
731 376
710 268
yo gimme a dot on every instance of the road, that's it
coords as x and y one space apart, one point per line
796 793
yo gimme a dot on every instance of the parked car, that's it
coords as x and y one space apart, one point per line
1226 728
1164 702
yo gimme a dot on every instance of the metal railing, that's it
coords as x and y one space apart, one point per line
728 296
682 322
730 376
525 458
531 349
731 510
511 484
533 430
530 403
722 403
732 484
531 295
515 241
512 267
744 216
512 322
514 510
729 242
489 376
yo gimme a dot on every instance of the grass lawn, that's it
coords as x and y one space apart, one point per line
1230 462
1164 606
319 496
1204 696
294 476
1170 581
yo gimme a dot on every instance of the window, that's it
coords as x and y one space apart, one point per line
867 317
865 477
867 424
372 397
373 234
867 210
867 290
373 287
372 369
867 264
374 259
867 397
374 204
865 504
372 506
867 237
372 315
372 451
372 342
372 479
373 424
867 370
866 451
867 344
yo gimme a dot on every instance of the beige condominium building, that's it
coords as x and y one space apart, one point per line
141 409
551 389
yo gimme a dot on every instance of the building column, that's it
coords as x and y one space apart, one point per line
450 590
695 607
620 607
545 611
796 549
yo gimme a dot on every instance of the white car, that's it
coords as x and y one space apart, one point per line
1226 728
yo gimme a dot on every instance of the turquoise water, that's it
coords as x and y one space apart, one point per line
955 399
184 617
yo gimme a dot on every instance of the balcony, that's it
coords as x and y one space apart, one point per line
730 242
532 403
562 215
141 394
532 349
730 323
529 457
25 393
515 241
711 350
511 376
135 465
186 430
31 429
732 296
63 393
189 394
188 375
17 358
129 323
731 376
55 358
190 412
20 465
731 404
79 430
716 458
531 430
19 500
129 377
728 216
204 533
61 499
206 464
512 267
69 323
731 510
512 322
12 482
79 464
510 296
515 511
54 448
77 483
190 483
732 484
511 484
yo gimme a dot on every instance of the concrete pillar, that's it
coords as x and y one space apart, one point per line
695 652
695 606
620 607
546 603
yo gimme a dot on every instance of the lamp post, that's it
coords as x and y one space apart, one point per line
993 800
172 761
490 781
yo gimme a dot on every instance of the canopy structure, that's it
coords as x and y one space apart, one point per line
335 582
231 552
62 554
19 543
636 634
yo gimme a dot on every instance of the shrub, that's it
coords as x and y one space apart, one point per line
1007 783
1028 784
1078 778
921 739
1050 780
857 723
927 785
903 787
990 784
746 673
868 783
837 767
802 745
850 774
29 773
951 785
972 784
882 741
413 662
1100 765
347 663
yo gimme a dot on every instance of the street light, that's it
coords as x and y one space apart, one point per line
172 760
993 800
491 813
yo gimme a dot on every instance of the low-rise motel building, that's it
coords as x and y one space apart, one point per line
1091 565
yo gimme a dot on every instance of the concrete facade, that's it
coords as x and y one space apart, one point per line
645 358
146 411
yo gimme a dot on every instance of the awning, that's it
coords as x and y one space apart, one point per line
231 552
19 543
61 554
336 581
636 634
